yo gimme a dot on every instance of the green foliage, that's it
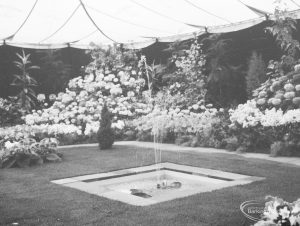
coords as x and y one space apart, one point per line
152 74
164 99
232 143
256 72
225 82
10 112
105 134
277 148
111 57
25 82
55 74
187 79
215 136
285 139
283 29
253 139
28 152
282 89
281 140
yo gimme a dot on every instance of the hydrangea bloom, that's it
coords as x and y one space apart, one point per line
81 104
249 115
176 120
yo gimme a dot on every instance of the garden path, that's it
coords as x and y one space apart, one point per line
175 148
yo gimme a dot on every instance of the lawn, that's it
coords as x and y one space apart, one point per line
28 197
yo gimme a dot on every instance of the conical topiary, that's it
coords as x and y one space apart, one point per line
105 133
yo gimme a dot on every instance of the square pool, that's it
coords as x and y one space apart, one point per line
147 185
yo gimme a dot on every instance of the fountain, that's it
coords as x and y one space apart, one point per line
151 184
160 182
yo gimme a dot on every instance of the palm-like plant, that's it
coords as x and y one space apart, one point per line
26 96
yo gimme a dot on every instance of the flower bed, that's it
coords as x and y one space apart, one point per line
280 92
196 126
27 152
115 80
272 129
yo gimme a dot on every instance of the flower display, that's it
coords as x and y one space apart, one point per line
279 91
79 107
41 97
28 152
20 132
52 97
176 120
273 129
189 78
246 115
278 212
249 115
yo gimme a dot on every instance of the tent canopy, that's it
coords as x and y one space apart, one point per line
44 24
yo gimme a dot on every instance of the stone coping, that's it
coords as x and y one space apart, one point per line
294 161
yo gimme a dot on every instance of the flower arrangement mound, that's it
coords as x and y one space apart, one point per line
116 83
38 132
273 128
28 151
175 111
249 115
271 120
199 125
280 213
280 91
82 108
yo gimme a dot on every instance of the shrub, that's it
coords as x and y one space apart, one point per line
231 143
256 72
277 148
28 152
10 112
105 134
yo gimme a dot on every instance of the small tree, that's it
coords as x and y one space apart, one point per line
25 82
256 73
105 134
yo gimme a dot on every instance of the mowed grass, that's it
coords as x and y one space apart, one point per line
29 198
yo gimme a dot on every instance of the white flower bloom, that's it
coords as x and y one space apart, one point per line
9 144
195 106
41 97
52 97
119 124
130 94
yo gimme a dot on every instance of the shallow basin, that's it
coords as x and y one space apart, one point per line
152 184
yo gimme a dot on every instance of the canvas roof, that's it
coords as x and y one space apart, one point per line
44 24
